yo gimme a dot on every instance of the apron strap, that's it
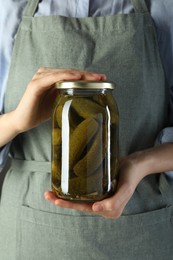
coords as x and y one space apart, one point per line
140 6
36 166
31 8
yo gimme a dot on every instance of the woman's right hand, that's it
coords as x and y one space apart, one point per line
37 102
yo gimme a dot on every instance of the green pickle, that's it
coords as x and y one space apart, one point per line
85 107
93 158
85 148
79 139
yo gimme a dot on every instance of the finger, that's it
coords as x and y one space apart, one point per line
103 77
92 76
50 196
39 85
46 79
84 207
43 71
79 206
113 207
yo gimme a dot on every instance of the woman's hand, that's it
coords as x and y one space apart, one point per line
133 169
37 102
131 173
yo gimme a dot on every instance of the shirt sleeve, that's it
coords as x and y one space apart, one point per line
10 17
161 12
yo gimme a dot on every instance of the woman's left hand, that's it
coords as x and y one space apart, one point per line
133 168
130 175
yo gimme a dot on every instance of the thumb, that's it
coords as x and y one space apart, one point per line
113 206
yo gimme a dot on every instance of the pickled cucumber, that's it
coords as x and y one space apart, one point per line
108 100
83 186
93 159
80 138
56 170
56 152
113 108
86 107
114 168
56 136
59 115
74 118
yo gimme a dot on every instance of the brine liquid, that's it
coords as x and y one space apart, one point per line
85 147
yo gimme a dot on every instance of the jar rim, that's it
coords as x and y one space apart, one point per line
83 84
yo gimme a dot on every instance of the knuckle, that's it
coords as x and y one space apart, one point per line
69 71
65 74
110 206
41 69
32 86
129 190
117 215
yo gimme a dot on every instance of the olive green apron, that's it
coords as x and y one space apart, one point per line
125 48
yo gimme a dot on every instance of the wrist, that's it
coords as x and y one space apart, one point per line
159 159
154 160
12 123
8 127
145 162
133 168
141 164
15 122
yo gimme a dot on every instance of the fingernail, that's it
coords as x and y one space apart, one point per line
103 76
98 207
46 196
57 202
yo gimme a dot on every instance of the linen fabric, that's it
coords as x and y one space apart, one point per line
125 48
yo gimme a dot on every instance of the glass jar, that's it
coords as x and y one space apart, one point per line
85 126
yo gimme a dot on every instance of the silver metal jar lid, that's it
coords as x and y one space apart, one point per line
82 84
